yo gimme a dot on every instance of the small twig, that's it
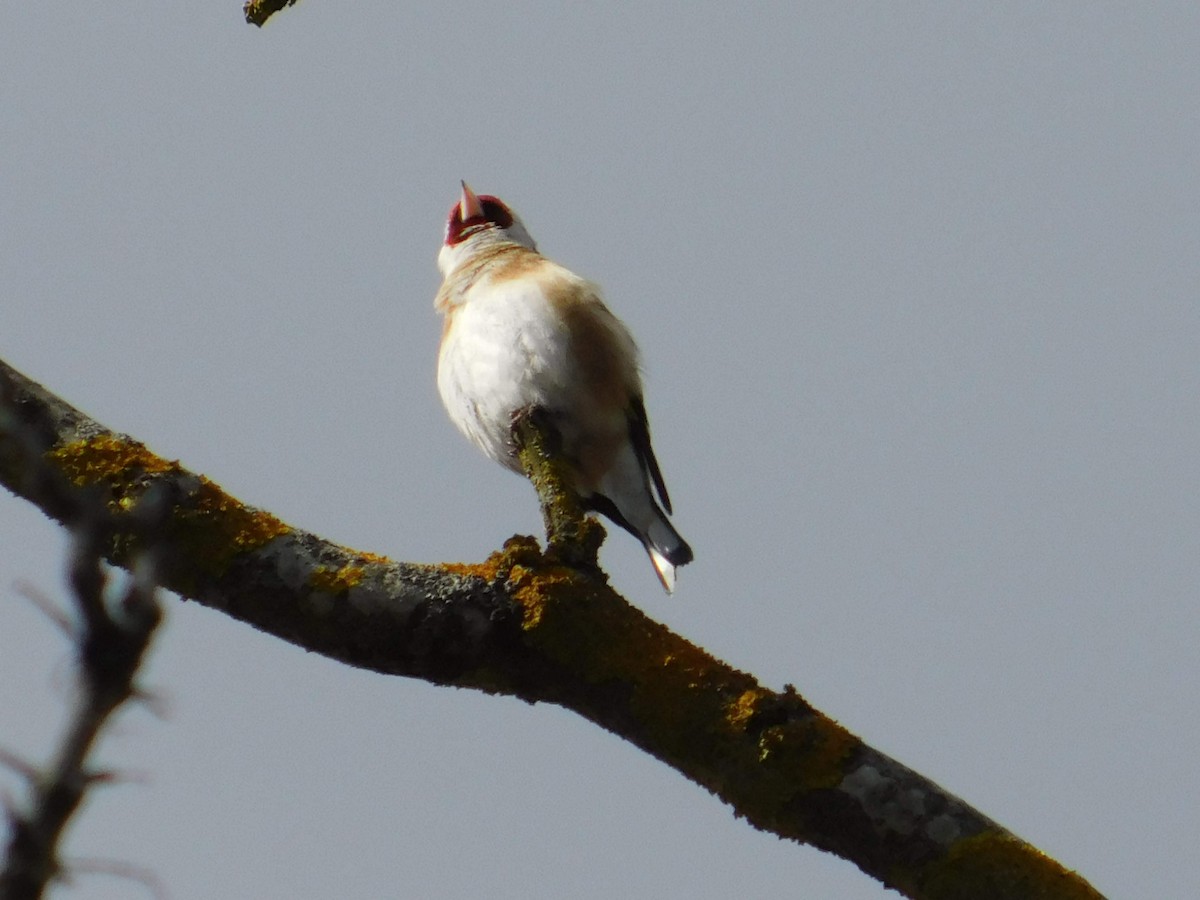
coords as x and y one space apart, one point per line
146 878
18 764
572 536
258 11
46 607
157 703
106 777
110 650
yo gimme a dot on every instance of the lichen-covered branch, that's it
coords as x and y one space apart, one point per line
572 537
524 624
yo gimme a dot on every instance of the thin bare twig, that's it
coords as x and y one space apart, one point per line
127 871
47 607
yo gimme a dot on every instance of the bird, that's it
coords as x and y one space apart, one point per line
522 333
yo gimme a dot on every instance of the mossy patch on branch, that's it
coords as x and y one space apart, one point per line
219 527
212 526
997 865
336 580
110 459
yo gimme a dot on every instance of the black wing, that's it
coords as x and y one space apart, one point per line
639 434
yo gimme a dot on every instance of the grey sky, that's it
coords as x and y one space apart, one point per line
915 288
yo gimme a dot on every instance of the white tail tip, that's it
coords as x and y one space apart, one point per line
664 569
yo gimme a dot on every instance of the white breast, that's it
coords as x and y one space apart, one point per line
507 350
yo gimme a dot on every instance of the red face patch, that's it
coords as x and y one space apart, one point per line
494 213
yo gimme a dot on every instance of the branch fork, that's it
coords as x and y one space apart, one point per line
573 538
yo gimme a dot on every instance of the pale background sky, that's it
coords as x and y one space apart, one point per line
916 288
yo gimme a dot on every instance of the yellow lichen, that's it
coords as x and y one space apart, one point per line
243 527
217 528
813 751
539 591
469 570
336 580
213 528
369 558
757 748
675 688
107 458
742 710
996 864
518 552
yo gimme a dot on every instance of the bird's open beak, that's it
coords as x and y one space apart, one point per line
469 206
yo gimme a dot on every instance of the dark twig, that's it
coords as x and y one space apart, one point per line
18 764
111 645
258 11
145 877
111 638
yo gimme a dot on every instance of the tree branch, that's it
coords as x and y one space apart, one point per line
258 11
523 624
572 537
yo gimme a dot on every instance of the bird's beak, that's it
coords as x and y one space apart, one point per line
469 206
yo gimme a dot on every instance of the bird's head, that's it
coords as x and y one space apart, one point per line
476 221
